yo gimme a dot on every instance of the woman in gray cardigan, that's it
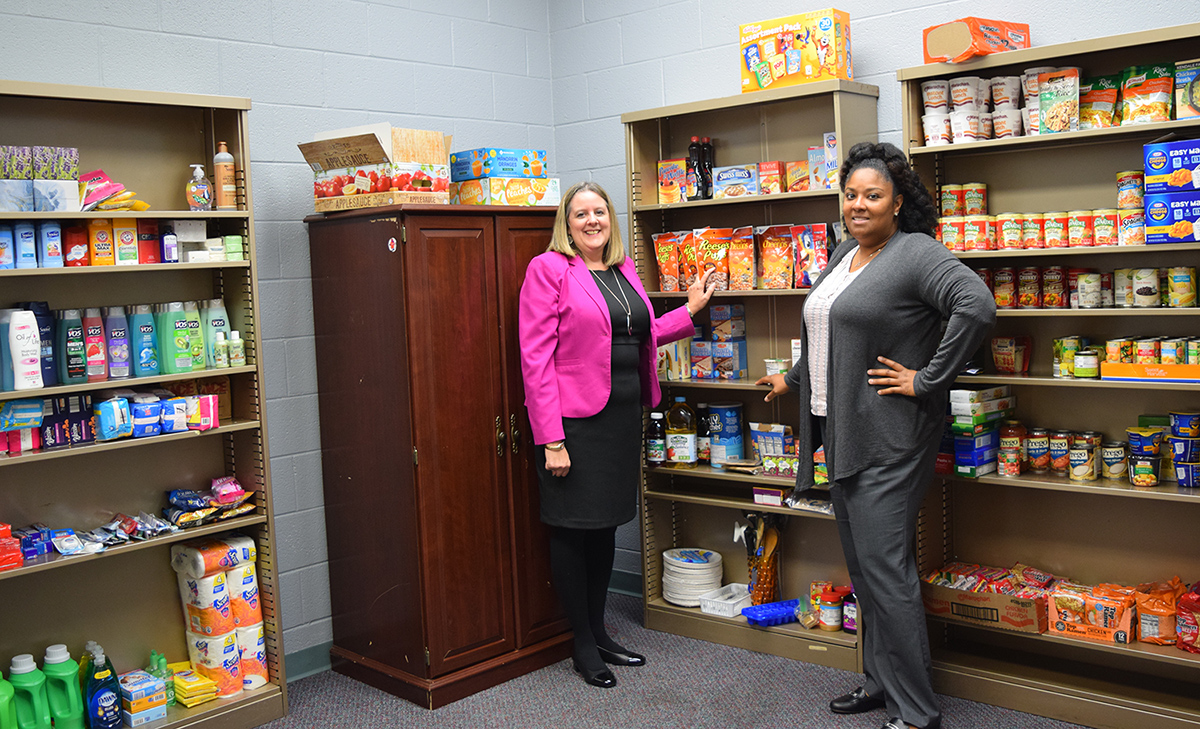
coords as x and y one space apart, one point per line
875 368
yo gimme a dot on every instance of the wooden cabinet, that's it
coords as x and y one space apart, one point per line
127 598
438 561
1104 531
695 508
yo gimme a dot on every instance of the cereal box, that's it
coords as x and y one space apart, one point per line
666 251
672 180
741 259
1172 166
712 251
702 360
796 175
1187 89
795 49
473 164
770 178
735 181
1173 217
775 262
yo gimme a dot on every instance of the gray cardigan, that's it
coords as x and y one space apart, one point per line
894 309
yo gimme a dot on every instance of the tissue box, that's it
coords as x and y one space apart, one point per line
506 191
473 164
795 49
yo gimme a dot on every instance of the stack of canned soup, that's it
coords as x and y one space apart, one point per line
1059 287
1083 456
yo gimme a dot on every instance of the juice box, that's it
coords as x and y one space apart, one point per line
809 47
473 164
672 180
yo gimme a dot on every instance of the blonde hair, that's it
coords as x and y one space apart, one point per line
614 250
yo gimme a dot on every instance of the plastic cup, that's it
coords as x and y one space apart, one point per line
985 125
936 95
1007 123
964 126
1006 92
1029 83
964 93
937 129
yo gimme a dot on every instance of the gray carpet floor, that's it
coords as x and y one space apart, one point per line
687 683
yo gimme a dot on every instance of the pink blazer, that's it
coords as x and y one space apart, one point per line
566 342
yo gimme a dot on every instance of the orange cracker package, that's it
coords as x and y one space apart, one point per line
774 256
965 38
741 259
712 251
1156 604
687 259
666 251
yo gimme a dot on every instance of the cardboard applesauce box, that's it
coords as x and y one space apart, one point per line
795 49
376 165
993 610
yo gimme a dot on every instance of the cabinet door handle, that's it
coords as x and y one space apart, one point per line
516 434
500 436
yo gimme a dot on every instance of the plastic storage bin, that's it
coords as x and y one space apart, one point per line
726 601
772 613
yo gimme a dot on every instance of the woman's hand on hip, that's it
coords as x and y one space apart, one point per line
896 379
778 386
700 292
558 462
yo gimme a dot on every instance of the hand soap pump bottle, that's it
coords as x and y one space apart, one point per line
199 190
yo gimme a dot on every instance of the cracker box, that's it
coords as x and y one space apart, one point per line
992 610
376 165
672 181
770 178
735 181
522 191
795 49
1173 217
1187 89
473 164
965 38
1172 166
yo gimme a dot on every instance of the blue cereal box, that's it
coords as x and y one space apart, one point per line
1172 166
473 164
1173 217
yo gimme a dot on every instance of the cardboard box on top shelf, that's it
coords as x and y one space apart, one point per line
377 165
523 191
965 38
795 49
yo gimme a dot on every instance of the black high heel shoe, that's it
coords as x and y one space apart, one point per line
602 678
622 658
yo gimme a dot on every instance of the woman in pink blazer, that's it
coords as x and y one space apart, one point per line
589 342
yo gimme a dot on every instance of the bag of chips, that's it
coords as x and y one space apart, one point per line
1156 602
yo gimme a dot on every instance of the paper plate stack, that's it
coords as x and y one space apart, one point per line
689 573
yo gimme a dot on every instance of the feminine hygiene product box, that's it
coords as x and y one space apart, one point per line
473 164
1173 217
506 191
795 49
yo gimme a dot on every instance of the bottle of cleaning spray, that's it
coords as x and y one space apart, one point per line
71 360
25 349
143 342
62 688
215 320
116 336
103 694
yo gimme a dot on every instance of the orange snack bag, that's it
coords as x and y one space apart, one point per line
688 269
775 258
666 250
741 259
1106 611
1156 604
712 251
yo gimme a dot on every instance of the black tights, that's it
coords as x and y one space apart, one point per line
581 563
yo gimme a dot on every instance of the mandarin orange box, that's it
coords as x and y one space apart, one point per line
1004 612
506 191
471 164
795 49
1158 373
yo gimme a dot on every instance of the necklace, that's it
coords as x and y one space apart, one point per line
869 257
624 302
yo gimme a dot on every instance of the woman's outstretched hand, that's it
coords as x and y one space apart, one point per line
778 386
700 292
897 379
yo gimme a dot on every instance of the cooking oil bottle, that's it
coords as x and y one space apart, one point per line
681 435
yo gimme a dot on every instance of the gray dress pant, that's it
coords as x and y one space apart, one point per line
876 512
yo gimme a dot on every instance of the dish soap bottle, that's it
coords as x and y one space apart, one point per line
226 188
199 190
103 693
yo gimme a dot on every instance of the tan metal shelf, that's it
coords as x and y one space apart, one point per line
90 448
760 199
1037 142
130 382
1078 251
755 99
54 560
790 630
719 474
140 268
730 294
746 384
125 214
1166 491
261 702
129 96
1134 312
1027 380
743 504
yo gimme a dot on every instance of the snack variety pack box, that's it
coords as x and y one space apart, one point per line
795 49
473 164
1173 217
506 191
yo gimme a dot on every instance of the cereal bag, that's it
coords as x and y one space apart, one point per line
1147 94
687 259
666 251
812 253
712 251
741 259
775 256
1187 620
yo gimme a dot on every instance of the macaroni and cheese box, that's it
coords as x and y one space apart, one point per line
506 191
1173 217
473 164
672 181
795 49
735 181
1172 166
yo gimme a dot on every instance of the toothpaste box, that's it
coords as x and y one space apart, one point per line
473 164
729 360
1172 166
1173 217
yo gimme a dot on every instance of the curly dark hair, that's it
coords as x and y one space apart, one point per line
917 214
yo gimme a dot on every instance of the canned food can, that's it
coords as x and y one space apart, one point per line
726 426
954 231
1164 286
1123 287
1087 364
1106 290
1008 462
1172 351
1029 288
1082 459
975 198
1193 351
1054 287
1112 459
1066 347
1131 228
985 275
1060 451
1004 282
1120 350
1145 287
1055 229
1037 447
1181 282
1079 228
952 201
1104 227
1033 230
1130 190
1146 351
1088 285
1011 230
977 234
1093 439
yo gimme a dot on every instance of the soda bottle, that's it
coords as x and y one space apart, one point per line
681 435
706 166
656 440
695 180
703 442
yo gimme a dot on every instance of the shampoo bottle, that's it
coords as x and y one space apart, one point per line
226 186
29 693
45 319
220 351
237 349
6 365
71 359
25 350
143 342
62 688
199 190
50 250
8 706
25 245
175 352
95 348
6 248
103 696
215 320
116 336
195 334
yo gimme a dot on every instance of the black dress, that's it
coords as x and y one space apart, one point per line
600 489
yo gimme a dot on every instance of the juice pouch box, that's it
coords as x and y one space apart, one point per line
712 251
796 175
775 257
672 180
666 252
741 259
688 269
770 178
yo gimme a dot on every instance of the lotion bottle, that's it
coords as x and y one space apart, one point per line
226 186
237 349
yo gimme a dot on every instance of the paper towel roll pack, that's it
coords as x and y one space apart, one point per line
243 594
206 557
252 644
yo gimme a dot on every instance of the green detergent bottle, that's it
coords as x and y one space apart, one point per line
62 688
8 707
29 693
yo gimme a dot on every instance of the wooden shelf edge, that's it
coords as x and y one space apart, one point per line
57 390
97 447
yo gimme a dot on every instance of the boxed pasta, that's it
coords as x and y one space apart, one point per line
1172 166
1173 217
795 49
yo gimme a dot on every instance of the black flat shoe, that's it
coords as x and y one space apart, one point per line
623 658
855 702
602 679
